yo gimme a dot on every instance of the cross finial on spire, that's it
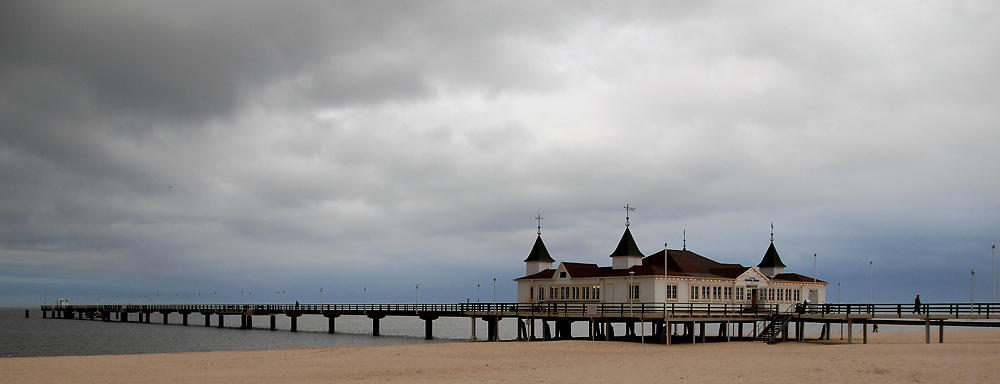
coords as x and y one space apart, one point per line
627 210
685 244
539 218
772 231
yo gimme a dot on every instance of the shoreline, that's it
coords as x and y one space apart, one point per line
966 356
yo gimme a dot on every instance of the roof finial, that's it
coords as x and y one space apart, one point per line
539 218
627 210
772 231
685 244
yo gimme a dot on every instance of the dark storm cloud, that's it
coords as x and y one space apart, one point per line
222 143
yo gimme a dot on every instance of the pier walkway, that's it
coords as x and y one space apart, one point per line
670 322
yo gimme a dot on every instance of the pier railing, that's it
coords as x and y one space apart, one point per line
556 309
964 310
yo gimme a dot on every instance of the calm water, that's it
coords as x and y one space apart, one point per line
36 336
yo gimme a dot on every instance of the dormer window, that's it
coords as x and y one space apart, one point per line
562 275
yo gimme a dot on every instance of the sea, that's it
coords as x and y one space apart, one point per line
37 336
31 336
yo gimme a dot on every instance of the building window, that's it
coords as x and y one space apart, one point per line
781 295
562 275
716 293
541 293
586 293
798 295
531 293
633 292
671 291
597 292
739 293
576 293
553 293
694 292
728 293
564 293
706 292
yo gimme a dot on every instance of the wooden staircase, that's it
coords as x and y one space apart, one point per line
776 324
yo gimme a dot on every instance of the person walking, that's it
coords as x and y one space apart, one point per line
916 305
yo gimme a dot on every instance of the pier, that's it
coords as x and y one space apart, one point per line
669 322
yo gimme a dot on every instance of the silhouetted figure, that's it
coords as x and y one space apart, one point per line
916 305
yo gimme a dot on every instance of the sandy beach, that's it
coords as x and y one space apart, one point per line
965 357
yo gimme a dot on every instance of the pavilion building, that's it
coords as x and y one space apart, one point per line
667 276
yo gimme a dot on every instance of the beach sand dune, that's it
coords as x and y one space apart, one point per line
965 357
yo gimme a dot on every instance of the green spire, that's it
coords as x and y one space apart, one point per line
538 252
627 247
771 258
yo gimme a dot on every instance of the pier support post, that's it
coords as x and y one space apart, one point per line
665 333
941 331
522 330
222 321
184 318
473 328
532 326
850 331
165 317
295 321
375 320
123 317
546 332
274 323
208 319
864 332
249 321
331 318
428 326
927 329
609 331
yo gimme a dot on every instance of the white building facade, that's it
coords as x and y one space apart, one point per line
668 276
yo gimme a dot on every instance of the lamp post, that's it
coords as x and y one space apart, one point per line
838 303
365 296
631 286
870 283
994 273
972 299
416 295
478 301
494 291
814 268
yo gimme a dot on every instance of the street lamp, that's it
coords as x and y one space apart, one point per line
972 299
838 303
494 291
870 283
416 295
365 296
631 286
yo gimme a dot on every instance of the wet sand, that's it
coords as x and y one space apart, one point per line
965 357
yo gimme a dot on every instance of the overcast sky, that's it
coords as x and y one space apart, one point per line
191 151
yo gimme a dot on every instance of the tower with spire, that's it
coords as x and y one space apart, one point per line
538 259
627 253
771 264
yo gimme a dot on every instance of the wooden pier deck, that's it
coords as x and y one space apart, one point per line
742 320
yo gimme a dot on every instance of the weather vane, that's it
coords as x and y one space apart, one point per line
772 231
539 218
627 210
